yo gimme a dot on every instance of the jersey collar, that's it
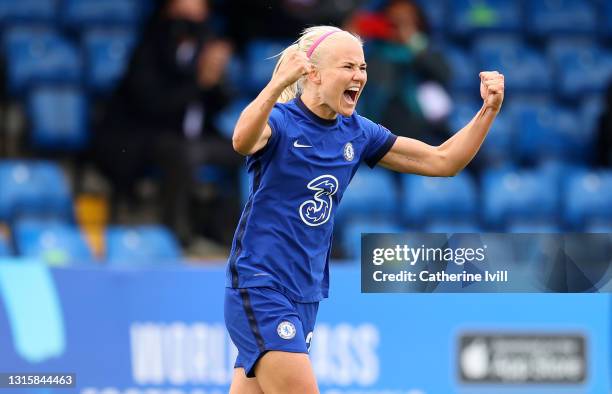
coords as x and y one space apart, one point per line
313 116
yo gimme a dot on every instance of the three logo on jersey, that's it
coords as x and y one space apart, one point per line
317 211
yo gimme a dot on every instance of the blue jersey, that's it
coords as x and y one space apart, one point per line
284 235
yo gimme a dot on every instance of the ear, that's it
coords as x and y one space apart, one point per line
314 75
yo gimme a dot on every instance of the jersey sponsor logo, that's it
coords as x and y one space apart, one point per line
286 330
297 144
318 211
349 152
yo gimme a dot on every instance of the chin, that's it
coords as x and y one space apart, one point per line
347 112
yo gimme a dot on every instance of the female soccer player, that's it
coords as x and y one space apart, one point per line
304 142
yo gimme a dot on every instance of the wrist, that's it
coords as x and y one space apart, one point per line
491 109
275 87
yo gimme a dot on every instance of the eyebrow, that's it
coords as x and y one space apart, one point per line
353 64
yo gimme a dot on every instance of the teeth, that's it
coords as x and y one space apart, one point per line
353 89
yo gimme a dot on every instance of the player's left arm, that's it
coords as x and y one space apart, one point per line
411 156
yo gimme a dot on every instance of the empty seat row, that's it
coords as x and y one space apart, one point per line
535 17
74 13
37 56
571 198
533 130
568 67
59 243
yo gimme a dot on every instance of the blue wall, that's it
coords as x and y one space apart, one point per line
163 329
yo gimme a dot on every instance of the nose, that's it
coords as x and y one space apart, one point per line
359 75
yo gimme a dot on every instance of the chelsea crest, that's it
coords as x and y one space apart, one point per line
349 152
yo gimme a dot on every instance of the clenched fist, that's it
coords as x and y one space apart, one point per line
492 89
294 65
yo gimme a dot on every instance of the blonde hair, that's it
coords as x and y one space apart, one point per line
306 40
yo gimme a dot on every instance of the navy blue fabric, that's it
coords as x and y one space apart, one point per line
263 319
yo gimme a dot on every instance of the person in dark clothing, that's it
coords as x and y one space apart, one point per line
408 79
282 19
604 132
161 116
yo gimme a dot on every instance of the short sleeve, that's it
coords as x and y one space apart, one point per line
277 122
380 140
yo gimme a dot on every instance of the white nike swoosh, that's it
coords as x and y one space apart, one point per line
298 145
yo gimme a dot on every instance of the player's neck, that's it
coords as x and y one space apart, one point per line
317 106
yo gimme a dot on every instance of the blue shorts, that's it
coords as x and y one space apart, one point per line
260 319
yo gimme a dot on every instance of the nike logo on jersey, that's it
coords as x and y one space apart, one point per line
298 145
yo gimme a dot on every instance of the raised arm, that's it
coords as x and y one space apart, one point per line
412 156
252 132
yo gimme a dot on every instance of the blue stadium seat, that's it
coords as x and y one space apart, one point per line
141 245
235 71
107 55
352 230
39 55
591 109
527 227
497 149
371 193
436 12
468 16
519 197
226 120
464 70
54 242
427 200
558 170
260 60
521 65
27 11
448 227
59 118
548 131
88 13
554 17
588 199
580 66
33 188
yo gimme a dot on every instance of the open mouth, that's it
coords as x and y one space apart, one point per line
351 95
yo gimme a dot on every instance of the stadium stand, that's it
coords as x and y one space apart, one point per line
60 58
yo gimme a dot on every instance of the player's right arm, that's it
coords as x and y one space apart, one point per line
252 132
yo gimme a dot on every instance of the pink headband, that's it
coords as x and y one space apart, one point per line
318 41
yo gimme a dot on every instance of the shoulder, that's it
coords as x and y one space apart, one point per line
282 112
361 124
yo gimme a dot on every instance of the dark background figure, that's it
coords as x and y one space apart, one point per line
161 116
406 78
604 132
282 19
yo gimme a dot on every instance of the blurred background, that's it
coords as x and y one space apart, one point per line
118 180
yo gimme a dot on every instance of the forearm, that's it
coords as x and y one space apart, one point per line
461 148
250 126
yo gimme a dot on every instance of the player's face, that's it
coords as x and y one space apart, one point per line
343 75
